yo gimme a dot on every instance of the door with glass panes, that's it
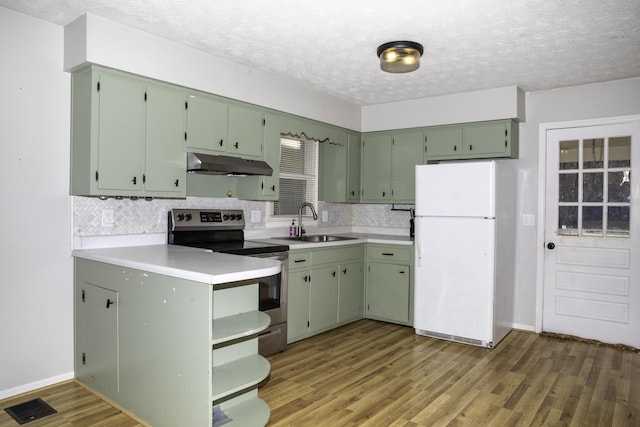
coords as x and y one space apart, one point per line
591 277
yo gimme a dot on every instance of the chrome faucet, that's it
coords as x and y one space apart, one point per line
313 211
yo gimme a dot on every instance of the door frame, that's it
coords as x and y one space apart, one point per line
543 128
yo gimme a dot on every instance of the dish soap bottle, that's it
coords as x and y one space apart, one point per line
293 232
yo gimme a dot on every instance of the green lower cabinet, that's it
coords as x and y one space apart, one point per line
323 298
298 305
97 337
351 292
325 289
389 283
167 349
388 292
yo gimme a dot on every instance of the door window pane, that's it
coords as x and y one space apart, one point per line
620 152
592 187
568 188
568 155
618 221
619 187
568 220
593 153
592 220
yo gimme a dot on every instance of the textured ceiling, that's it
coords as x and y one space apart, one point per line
331 44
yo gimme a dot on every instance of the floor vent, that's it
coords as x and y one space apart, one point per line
29 411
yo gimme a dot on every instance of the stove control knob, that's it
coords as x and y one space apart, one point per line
225 217
239 216
232 217
187 217
180 217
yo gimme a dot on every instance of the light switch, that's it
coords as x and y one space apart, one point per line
528 220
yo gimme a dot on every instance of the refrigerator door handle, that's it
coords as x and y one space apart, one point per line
419 252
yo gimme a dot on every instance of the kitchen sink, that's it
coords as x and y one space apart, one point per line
319 238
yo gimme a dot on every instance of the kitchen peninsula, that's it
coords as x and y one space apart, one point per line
170 333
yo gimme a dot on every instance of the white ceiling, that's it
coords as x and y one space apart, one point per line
331 44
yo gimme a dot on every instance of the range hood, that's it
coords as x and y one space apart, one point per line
226 165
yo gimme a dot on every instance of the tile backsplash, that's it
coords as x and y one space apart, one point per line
150 216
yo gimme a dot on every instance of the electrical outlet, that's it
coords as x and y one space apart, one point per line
325 216
256 216
108 218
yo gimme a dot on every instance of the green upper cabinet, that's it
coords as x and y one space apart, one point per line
494 139
491 139
207 123
406 153
332 171
165 158
388 166
354 141
376 168
121 131
127 136
265 187
246 131
443 142
217 126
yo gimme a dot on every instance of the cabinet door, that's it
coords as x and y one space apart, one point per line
443 143
351 293
120 133
353 167
246 131
265 187
97 343
323 301
388 292
165 166
376 168
486 139
406 153
298 305
332 170
207 123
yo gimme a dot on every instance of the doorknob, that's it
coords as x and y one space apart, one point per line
551 245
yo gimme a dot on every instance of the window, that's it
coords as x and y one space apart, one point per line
298 175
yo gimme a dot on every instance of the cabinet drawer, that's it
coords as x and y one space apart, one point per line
299 259
394 253
336 254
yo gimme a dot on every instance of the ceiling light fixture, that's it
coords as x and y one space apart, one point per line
400 57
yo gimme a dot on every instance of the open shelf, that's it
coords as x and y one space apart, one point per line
239 375
239 326
252 412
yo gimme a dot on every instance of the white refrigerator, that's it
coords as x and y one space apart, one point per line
464 272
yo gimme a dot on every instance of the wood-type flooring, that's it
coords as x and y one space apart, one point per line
377 374
372 373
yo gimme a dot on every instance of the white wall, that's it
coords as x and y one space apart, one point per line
36 310
93 39
601 100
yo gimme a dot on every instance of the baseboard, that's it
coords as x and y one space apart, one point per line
523 327
25 388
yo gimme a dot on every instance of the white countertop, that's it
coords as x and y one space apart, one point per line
194 264
355 239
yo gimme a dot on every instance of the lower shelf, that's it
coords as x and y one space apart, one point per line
252 412
239 375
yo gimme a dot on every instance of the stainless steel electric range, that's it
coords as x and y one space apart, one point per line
222 231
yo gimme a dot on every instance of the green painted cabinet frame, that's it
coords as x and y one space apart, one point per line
127 136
